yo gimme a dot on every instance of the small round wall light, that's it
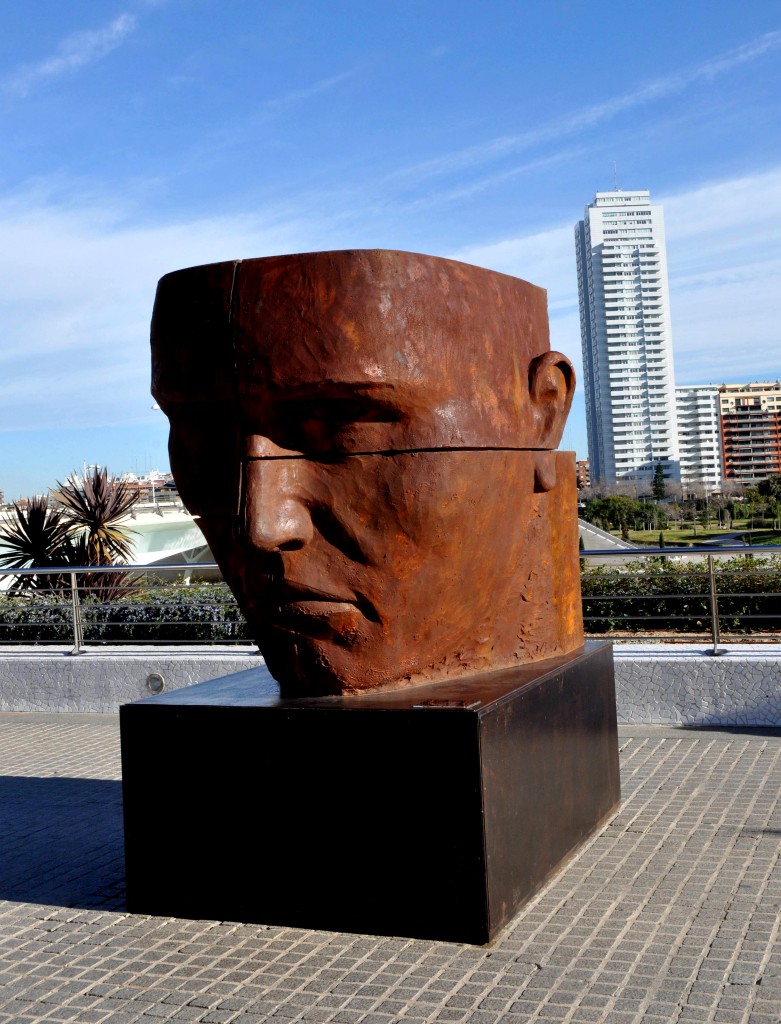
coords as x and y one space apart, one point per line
155 682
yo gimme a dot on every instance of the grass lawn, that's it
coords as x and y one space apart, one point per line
766 537
650 538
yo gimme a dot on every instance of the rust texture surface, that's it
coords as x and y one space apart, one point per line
367 438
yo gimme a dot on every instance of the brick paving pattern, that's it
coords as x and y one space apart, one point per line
671 913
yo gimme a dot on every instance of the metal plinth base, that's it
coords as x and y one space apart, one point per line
434 811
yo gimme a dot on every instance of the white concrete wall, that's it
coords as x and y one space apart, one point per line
664 684
41 679
655 683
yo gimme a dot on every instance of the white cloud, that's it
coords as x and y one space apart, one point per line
78 288
587 117
736 214
725 279
724 269
439 196
546 259
298 95
79 285
728 330
73 52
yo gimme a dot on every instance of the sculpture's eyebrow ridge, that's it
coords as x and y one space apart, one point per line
330 388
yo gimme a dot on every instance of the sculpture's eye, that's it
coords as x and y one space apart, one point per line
204 451
339 425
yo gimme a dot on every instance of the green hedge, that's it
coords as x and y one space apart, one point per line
658 594
655 594
199 613
35 620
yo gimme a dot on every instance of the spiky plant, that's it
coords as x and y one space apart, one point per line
34 537
102 586
95 504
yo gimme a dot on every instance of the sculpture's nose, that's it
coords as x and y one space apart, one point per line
276 517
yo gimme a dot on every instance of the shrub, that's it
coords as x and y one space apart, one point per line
203 613
656 594
35 618
674 597
174 613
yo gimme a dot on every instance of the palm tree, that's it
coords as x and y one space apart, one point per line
36 537
95 505
83 528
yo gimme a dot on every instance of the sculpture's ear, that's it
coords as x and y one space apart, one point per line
551 387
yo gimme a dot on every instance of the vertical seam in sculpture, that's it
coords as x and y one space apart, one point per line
236 265
234 296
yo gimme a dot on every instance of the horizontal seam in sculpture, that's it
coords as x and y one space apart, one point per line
327 456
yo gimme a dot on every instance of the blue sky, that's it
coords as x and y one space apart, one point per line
139 137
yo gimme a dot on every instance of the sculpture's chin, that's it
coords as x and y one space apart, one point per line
307 667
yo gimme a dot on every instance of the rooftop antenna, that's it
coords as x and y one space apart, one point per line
615 178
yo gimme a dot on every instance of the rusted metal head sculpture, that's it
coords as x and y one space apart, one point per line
367 439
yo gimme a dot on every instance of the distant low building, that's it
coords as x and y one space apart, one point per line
750 430
583 475
153 487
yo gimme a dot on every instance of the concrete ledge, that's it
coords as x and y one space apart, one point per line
656 684
46 679
681 684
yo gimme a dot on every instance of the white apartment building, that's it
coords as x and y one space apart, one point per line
699 436
627 342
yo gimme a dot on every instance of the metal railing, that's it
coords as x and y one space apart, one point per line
728 592
121 605
636 600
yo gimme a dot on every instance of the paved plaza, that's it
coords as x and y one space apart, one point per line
671 913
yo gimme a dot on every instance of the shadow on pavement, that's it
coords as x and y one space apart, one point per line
61 842
733 730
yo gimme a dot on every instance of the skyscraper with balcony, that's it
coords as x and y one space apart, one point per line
750 430
626 338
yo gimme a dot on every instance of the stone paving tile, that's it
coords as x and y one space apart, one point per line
671 914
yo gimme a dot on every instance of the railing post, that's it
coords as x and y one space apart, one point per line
78 631
714 608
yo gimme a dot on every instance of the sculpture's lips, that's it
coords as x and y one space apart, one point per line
288 592
296 611
312 612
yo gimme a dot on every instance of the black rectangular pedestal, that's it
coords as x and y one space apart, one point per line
434 811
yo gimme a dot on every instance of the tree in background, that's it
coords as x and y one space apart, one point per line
35 537
95 504
82 528
658 487
614 511
753 505
771 488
